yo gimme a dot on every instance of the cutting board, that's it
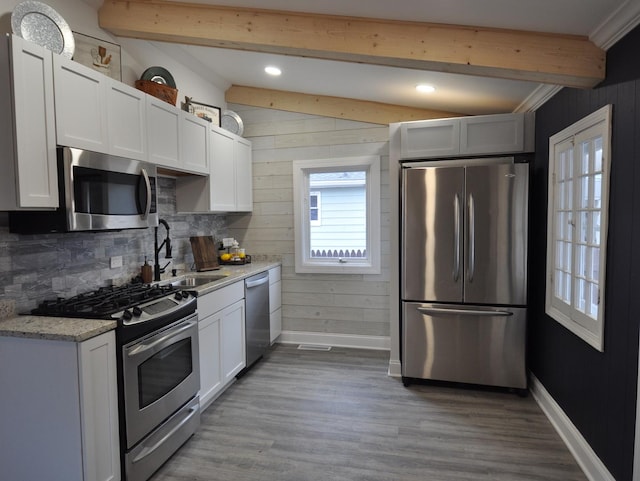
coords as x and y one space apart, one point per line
205 254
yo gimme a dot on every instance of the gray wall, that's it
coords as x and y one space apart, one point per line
38 267
597 390
352 306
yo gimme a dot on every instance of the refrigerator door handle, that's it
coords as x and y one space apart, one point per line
456 238
469 312
472 238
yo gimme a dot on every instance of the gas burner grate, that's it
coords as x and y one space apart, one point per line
103 302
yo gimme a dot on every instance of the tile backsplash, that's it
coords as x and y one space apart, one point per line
38 267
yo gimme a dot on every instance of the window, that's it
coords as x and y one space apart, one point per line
337 215
314 209
579 166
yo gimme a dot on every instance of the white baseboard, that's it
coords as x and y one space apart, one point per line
338 340
395 368
593 468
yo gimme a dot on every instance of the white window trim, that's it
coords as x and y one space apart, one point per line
567 315
303 262
318 196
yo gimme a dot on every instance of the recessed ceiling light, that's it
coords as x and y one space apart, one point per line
425 89
275 71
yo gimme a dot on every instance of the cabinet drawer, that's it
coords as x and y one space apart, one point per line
219 299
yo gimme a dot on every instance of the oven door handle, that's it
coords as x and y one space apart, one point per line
148 450
147 346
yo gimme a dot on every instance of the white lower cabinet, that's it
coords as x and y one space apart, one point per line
232 340
221 339
275 303
59 409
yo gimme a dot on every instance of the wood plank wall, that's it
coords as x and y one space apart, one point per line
351 305
596 390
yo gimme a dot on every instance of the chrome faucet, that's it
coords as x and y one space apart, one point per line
166 243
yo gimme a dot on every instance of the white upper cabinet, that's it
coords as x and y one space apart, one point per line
243 175
195 143
223 171
28 137
81 113
492 134
430 138
465 136
126 121
97 113
229 186
163 124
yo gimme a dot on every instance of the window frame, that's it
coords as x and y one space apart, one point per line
301 189
593 126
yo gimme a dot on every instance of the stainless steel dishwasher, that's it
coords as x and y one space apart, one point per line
256 294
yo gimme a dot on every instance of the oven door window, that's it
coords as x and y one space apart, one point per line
162 372
110 193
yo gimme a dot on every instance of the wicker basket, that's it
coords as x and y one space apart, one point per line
158 90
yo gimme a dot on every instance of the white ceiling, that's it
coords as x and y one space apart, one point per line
455 93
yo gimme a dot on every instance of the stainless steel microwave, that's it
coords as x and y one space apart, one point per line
97 192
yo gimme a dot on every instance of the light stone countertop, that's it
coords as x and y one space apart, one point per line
78 330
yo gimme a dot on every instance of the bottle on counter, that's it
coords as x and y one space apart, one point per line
146 272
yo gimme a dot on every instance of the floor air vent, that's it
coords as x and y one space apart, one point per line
313 347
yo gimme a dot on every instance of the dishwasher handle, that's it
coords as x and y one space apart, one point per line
256 281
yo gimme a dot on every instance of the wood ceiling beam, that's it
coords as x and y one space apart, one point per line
539 57
336 107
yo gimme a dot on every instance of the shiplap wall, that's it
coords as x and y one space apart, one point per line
333 309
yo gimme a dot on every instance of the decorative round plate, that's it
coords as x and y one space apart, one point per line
159 75
42 25
232 122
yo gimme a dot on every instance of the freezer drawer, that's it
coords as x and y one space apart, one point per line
463 343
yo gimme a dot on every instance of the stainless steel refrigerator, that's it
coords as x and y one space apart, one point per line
464 272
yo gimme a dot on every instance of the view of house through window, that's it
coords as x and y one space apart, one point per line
337 215
341 197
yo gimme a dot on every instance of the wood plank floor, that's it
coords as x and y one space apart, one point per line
307 415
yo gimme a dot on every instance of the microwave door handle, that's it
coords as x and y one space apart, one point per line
147 184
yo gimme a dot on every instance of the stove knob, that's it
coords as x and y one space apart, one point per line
178 296
137 311
126 315
185 294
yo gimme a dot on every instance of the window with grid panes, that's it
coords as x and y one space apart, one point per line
579 159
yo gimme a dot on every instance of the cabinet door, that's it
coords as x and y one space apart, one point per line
35 135
163 124
430 138
81 113
210 367
127 123
222 175
275 303
99 408
195 143
492 134
232 336
243 179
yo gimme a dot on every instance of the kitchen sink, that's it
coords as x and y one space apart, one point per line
194 281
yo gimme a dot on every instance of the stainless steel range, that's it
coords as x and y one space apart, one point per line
158 370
